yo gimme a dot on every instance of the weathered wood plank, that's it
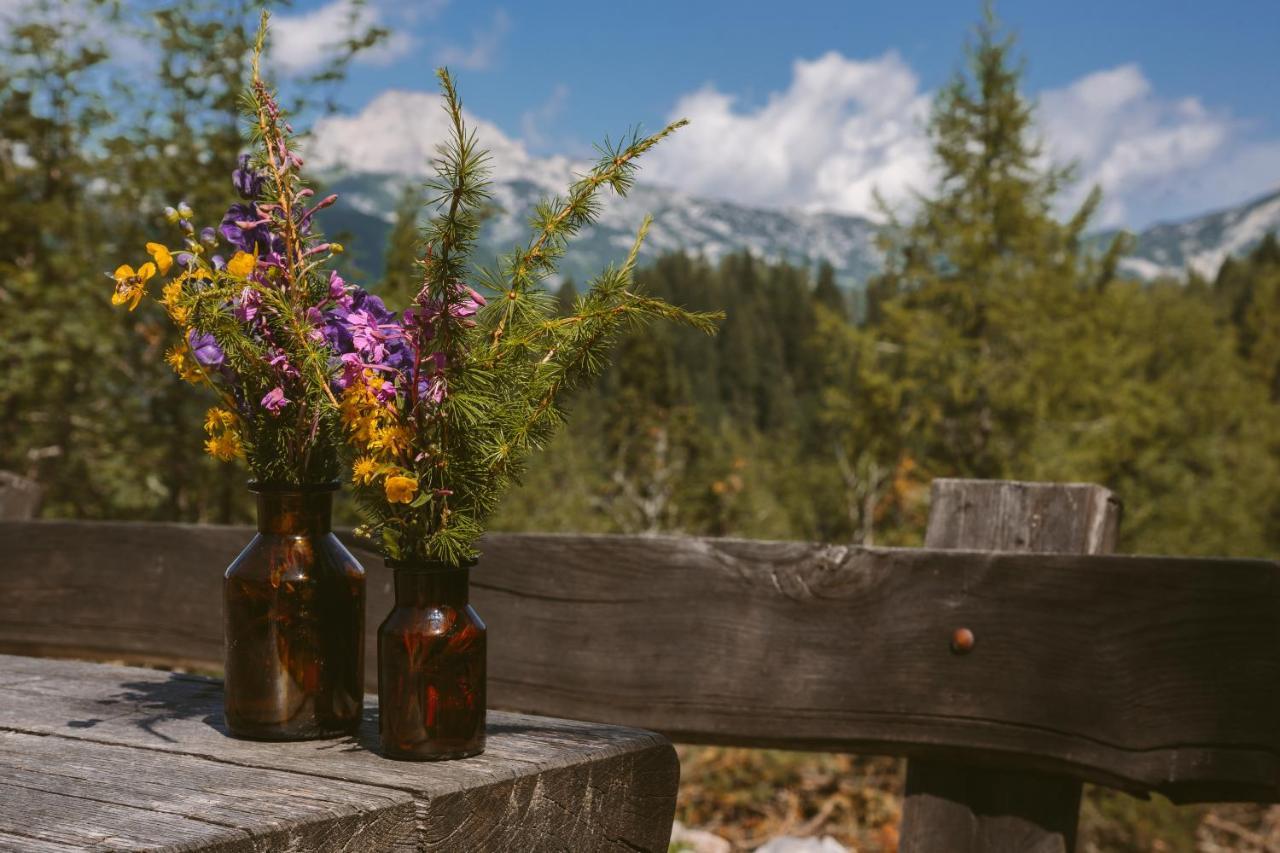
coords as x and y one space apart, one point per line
1008 515
972 809
541 784
1091 665
86 795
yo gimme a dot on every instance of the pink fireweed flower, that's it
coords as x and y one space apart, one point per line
275 400
248 305
316 318
337 287
280 361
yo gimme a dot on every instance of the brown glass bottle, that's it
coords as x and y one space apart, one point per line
293 613
431 666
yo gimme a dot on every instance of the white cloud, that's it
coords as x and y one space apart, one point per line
409 126
1137 146
480 54
846 128
843 129
300 42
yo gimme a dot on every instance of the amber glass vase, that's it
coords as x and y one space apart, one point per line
431 659
293 613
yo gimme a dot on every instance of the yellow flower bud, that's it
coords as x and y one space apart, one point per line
241 264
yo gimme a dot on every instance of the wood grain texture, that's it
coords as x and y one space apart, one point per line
541 784
1147 673
1008 515
975 809
84 795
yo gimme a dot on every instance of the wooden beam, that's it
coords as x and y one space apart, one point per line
969 808
1146 673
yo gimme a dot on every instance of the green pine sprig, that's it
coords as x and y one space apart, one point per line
509 368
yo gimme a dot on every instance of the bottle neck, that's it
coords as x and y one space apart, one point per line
419 587
295 513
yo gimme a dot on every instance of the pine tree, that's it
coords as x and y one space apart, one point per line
827 293
980 284
402 277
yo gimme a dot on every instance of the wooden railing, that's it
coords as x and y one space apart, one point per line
1006 676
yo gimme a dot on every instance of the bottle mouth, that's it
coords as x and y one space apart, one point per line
278 488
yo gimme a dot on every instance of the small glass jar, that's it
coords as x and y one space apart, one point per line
293 613
431 666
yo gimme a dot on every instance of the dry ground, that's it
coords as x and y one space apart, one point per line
749 796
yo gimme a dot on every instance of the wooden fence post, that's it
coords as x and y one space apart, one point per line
963 808
19 497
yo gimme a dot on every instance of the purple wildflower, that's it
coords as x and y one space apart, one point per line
352 370
205 349
243 227
247 180
280 361
337 287
247 305
274 400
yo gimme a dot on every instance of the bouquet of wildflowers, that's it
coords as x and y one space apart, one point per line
443 403
250 298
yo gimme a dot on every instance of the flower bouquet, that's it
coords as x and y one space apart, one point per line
443 405
251 298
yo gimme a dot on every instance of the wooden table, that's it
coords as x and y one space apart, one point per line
116 758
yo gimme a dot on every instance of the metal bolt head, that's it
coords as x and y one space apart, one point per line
962 641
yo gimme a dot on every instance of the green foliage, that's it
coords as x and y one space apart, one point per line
403 276
993 345
431 476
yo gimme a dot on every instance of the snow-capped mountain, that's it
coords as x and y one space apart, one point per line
1203 242
680 223
371 157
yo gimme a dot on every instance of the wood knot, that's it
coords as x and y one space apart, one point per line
962 641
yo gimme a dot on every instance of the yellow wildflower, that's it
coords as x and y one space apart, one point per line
130 285
401 489
361 414
179 358
390 440
241 264
365 470
218 418
164 259
171 292
225 446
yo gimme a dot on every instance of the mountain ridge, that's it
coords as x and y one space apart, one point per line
713 228
370 172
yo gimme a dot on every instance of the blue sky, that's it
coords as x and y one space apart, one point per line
1173 107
